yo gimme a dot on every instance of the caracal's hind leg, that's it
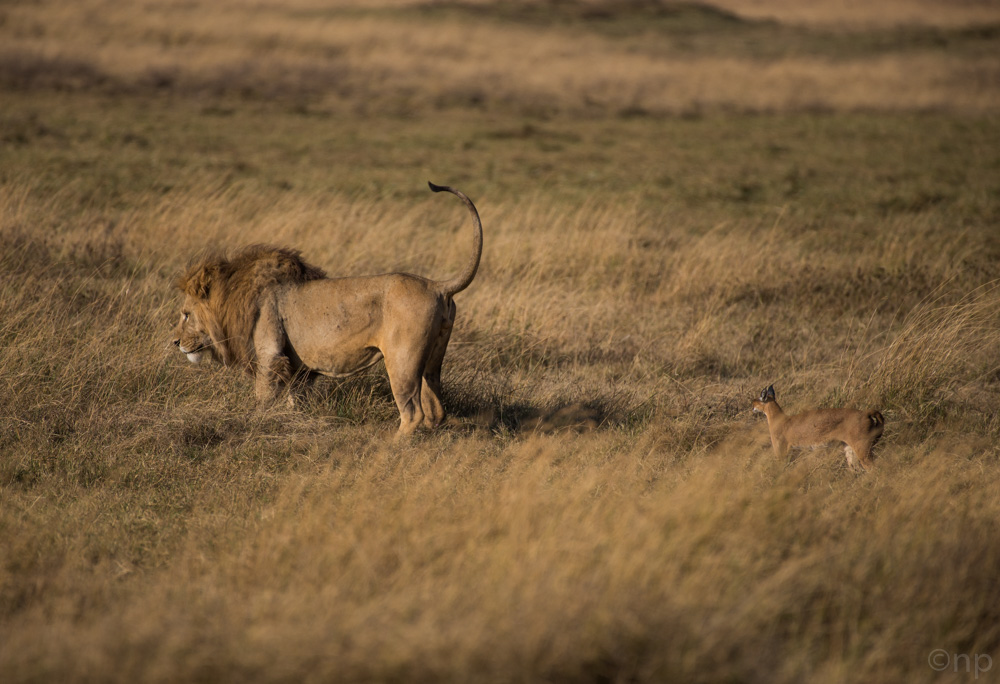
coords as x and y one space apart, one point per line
430 395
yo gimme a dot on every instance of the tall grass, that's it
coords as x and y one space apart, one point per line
380 61
940 347
478 563
855 13
681 204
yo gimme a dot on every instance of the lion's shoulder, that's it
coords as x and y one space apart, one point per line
263 265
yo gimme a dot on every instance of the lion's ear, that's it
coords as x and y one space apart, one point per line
198 282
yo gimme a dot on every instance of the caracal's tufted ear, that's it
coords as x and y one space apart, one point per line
197 282
769 393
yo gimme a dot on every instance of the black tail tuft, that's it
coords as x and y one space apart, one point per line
436 188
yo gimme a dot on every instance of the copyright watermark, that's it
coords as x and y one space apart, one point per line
976 664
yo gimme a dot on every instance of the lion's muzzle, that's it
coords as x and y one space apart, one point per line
193 355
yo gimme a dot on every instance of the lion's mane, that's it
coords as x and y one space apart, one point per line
228 289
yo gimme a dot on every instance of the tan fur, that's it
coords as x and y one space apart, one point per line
857 430
269 312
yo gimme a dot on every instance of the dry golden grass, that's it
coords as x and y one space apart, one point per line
669 227
858 13
841 13
372 57
156 530
550 558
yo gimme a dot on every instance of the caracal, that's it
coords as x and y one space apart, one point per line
858 430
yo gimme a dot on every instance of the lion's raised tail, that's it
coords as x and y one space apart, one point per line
464 279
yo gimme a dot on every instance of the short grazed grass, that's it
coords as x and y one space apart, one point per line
681 204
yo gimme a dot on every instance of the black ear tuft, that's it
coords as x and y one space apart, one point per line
770 392
435 188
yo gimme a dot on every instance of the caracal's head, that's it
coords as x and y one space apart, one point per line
766 397
191 336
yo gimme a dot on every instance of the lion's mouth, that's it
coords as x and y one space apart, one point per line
193 355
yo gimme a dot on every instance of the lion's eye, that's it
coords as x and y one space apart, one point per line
185 315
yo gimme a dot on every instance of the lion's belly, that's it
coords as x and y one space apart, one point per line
338 365
331 326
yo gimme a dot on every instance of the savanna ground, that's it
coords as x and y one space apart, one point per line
682 203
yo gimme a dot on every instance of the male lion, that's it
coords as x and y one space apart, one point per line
267 311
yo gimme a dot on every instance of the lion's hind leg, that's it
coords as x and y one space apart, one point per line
405 380
430 395
404 366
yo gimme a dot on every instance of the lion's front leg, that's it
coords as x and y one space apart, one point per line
272 370
270 377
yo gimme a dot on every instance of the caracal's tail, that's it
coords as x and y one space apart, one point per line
464 279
